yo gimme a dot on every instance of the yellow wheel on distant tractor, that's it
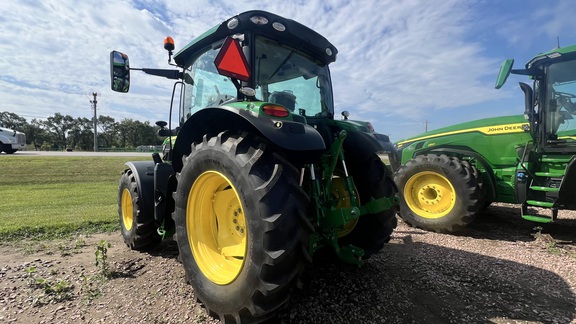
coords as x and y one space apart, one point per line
429 194
440 193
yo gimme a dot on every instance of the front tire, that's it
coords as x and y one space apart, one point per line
136 224
7 149
241 227
440 194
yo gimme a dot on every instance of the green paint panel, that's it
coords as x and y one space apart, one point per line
497 141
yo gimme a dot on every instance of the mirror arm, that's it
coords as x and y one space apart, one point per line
170 74
520 72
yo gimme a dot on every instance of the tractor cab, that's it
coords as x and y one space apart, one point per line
252 65
550 104
546 172
253 57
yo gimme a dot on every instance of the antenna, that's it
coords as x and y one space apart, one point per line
558 41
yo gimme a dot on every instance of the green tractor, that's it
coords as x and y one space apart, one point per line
258 175
450 174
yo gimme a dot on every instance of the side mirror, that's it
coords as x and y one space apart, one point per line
505 70
119 72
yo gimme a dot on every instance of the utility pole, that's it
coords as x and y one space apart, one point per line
426 126
94 102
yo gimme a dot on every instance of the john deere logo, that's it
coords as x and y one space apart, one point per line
505 129
488 130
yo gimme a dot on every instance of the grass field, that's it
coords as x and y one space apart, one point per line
48 197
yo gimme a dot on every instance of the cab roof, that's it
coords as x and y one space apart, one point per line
295 35
556 54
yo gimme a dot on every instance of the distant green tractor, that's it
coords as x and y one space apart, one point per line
448 175
258 175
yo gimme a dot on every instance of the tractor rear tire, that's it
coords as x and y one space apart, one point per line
241 227
137 225
373 180
440 194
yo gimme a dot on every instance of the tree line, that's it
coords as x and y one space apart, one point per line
61 132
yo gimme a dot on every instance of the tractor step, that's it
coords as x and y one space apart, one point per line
548 189
545 204
538 219
550 174
563 159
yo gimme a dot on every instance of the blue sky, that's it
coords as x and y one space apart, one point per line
400 63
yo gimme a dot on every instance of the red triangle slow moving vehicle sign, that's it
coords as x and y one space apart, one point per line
231 61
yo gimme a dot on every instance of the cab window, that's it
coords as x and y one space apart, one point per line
208 89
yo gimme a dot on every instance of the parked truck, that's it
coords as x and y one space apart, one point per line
11 140
450 174
257 175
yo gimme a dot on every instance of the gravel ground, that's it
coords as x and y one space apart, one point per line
500 270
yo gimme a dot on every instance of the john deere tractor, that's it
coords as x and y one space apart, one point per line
257 175
450 174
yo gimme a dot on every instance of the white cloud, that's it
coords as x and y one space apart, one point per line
404 60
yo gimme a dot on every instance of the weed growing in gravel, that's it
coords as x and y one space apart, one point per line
34 247
64 248
67 249
101 261
46 290
548 242
90 288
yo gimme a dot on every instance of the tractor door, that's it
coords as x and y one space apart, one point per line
558 108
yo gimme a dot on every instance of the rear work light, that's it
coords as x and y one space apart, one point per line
259 20
275 111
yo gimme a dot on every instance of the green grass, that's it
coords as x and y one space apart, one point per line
50 197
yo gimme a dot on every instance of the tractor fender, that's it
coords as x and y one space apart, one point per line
363 145
143 172
286 134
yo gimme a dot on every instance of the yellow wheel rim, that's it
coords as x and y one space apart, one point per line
339 192
430 195
127 209
216 226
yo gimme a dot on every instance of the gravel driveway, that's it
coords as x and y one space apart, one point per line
500 270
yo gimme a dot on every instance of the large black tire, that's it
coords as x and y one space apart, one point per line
137 225
241 227
484 201
440 194
372 179
7 149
